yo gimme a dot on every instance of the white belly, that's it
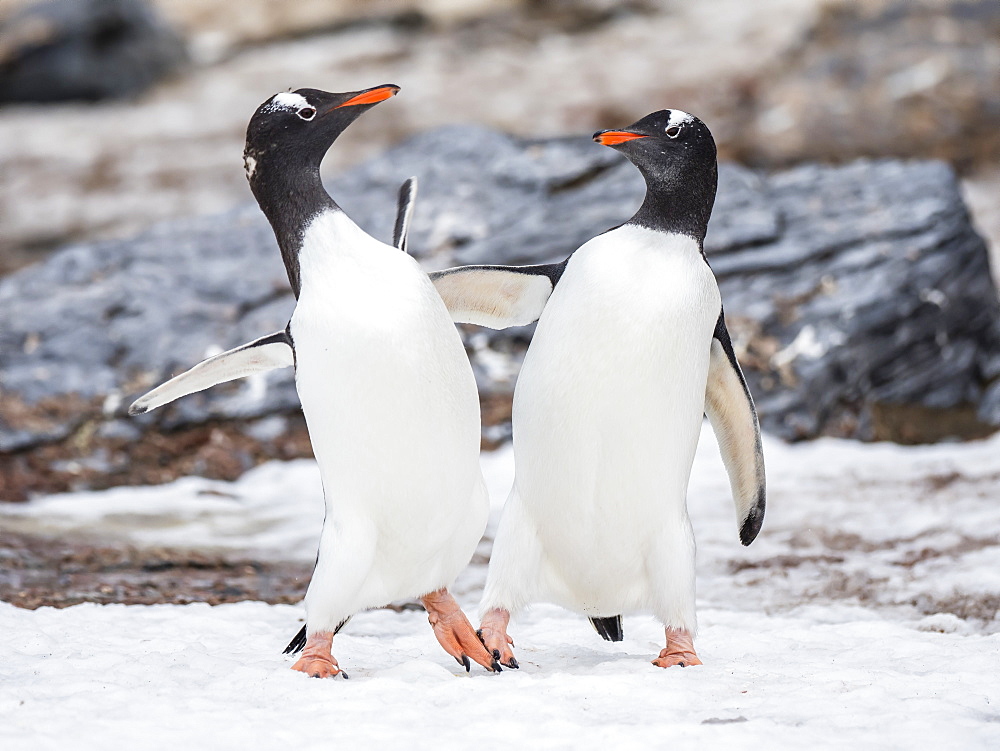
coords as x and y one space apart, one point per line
608 410
392 410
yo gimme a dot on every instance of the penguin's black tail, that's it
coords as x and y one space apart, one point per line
296 644
609 628
299 642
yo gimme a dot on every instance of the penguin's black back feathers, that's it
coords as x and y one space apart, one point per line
407 195
297 644
609 628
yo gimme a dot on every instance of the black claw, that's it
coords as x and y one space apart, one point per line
512 663
465 661
346 676
496 667
479 633
682 664
496 654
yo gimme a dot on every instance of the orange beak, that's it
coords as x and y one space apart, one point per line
613 137
371 97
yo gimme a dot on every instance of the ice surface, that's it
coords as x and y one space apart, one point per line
194 676
864 615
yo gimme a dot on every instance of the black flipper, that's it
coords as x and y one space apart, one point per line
297 644
407 196
609 628
731 411
497 296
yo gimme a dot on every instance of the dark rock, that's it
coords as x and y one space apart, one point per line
488 198
902 78
878 292
85 49
859 299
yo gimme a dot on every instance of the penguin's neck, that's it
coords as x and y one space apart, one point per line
291 200
676 205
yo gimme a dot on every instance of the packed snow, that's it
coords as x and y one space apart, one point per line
865 614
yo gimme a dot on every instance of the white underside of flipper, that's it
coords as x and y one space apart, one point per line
493 296
730 410
259 356
607 414
393 414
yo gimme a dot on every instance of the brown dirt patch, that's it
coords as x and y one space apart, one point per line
783 562
38 571
86 459
963 546
975 607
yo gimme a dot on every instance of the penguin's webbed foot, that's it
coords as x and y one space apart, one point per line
317 660
679 650
493 634
669 658
454 632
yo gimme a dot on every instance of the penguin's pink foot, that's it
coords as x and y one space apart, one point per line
317 660
454 632
493 633
679 650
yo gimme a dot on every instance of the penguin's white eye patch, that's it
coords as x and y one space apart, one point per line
285 101
307 113
673 131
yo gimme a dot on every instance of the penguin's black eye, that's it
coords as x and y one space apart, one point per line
673 131
306 113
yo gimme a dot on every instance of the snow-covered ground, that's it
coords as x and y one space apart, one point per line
865 615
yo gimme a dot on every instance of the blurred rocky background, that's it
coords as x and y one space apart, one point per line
858 204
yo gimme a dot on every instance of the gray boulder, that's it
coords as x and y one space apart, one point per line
89 50
872 314
879 77
859 298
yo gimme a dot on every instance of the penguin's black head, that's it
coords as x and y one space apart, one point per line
296 128
675 153
664 144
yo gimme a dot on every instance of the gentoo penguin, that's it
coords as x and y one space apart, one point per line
386 388
630 349
262 355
